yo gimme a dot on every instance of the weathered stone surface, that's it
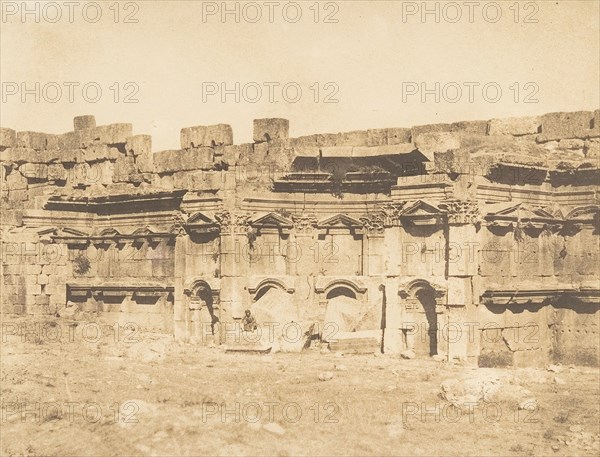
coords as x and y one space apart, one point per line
139 145
354 138
271 129
84 122
8 138
429 143
324 139
390 136
206 136
574 143
110 134
514 126
429 128
193 159
237 154
37 140
556 126
399 135
470 127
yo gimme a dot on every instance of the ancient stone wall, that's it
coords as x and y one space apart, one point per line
445 239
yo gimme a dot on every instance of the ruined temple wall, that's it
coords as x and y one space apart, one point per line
95 161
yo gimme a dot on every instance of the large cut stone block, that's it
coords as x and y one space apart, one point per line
209 136
430 143
470 127
8 138
112 133
271 129
354 138
139 145
515 126
37 140
567 125
84 122
429 128
399 136
194 159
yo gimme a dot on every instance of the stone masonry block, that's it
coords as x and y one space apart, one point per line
514 126
398 136
139 145
36 140
577 124
8 138
208 136
194 159
429 128
112 133
470 127
84 122
354 138
271 129
430 143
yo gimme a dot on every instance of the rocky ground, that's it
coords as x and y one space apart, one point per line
88 390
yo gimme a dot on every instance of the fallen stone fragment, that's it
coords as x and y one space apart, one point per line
408 354
326 376
554 368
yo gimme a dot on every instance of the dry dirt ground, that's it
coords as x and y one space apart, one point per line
144 394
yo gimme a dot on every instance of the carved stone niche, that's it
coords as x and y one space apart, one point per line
409 291
201 294
327 287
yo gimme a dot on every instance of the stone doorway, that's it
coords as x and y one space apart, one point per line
421 307
425 338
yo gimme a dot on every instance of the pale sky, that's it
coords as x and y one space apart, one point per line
369 55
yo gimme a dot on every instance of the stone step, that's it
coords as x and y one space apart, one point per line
356 345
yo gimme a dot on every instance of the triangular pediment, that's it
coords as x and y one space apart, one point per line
272 220
524 212
199 219
340 221
419 208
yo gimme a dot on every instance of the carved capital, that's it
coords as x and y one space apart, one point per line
373 223
304 223
233 222
461 211
390 212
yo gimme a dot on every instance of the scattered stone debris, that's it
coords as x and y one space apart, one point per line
326 376
408 354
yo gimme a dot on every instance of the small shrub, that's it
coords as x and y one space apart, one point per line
81 265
